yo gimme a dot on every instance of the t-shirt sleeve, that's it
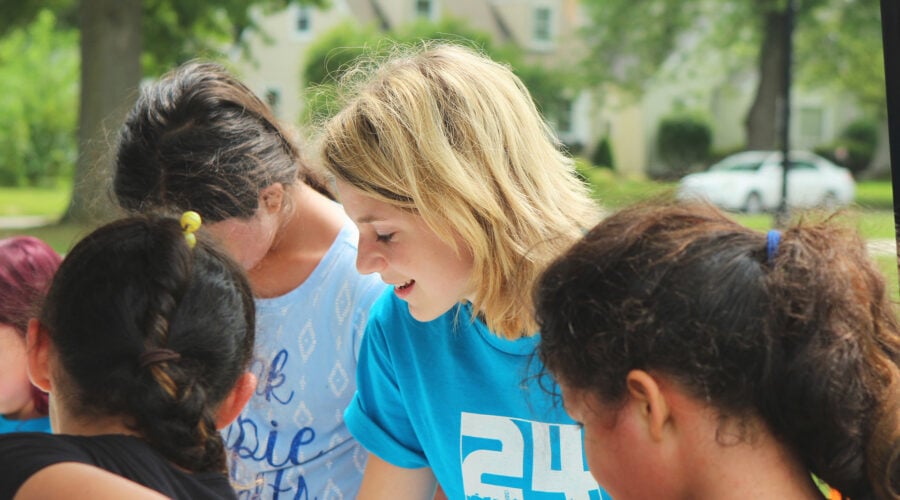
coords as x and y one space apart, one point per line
24 454
378 415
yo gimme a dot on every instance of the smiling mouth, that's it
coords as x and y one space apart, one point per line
406 285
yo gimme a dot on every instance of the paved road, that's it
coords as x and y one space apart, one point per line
882 247
24 221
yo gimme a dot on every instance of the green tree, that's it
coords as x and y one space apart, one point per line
39 85
849 32
335 51
119 40
630 41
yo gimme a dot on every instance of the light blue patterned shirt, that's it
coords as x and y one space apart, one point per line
290 441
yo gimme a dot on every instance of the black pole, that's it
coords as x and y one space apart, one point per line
782 214
890 30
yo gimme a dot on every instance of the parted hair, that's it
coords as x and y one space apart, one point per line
199 139
808 341
135 286
444 132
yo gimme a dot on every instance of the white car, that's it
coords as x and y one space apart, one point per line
751 182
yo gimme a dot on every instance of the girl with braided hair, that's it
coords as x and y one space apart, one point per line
708 359
143 344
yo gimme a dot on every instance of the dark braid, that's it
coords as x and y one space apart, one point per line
150 291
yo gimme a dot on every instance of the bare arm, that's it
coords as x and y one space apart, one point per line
75 481
383 480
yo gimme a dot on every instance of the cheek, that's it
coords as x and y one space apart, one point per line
600 453
249 252
246 243
14 384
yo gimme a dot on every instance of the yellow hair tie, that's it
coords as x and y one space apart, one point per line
190 223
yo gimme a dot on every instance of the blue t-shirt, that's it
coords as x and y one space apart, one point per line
40 424
290 441
450 395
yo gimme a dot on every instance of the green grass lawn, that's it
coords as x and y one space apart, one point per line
872 212
49 202
35 201
61 237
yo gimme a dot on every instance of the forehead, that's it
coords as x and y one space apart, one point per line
362 207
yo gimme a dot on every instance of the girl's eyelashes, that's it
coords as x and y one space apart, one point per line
384 238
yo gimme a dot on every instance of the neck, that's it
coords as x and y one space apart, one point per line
757 467
309 228
64 421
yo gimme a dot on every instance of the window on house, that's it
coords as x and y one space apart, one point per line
423 8
811 124
303 21
273 99
543 16
564 119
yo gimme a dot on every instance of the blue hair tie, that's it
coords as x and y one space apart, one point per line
773 238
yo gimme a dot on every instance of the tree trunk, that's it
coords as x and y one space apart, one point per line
110 75
880 166
762 118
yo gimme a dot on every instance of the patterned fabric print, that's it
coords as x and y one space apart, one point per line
291 441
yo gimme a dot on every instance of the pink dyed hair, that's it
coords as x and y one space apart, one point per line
27 265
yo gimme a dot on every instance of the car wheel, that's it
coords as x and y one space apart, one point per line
753 205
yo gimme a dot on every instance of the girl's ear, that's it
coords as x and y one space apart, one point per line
651 402
37 341
231 407
272 197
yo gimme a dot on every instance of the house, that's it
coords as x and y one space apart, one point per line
547 30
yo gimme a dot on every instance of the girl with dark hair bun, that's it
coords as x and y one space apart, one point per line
143 344
199 139
27 265
709 360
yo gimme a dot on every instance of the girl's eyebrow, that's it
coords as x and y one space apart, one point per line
368 219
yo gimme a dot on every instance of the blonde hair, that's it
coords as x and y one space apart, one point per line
453 136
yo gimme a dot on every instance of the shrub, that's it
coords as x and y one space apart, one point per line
39 85
854 147
602 156
336 51
683 140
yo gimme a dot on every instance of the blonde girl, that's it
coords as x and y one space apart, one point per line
461 196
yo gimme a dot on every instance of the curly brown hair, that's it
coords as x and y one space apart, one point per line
807 340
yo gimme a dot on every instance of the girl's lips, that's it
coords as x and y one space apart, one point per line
405 289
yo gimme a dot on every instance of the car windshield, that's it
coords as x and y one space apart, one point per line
741 164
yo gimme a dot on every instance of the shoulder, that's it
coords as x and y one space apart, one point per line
24 455
56 481
33 443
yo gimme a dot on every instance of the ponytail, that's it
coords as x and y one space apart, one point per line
834 363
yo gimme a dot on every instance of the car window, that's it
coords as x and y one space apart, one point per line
802 165
740 167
